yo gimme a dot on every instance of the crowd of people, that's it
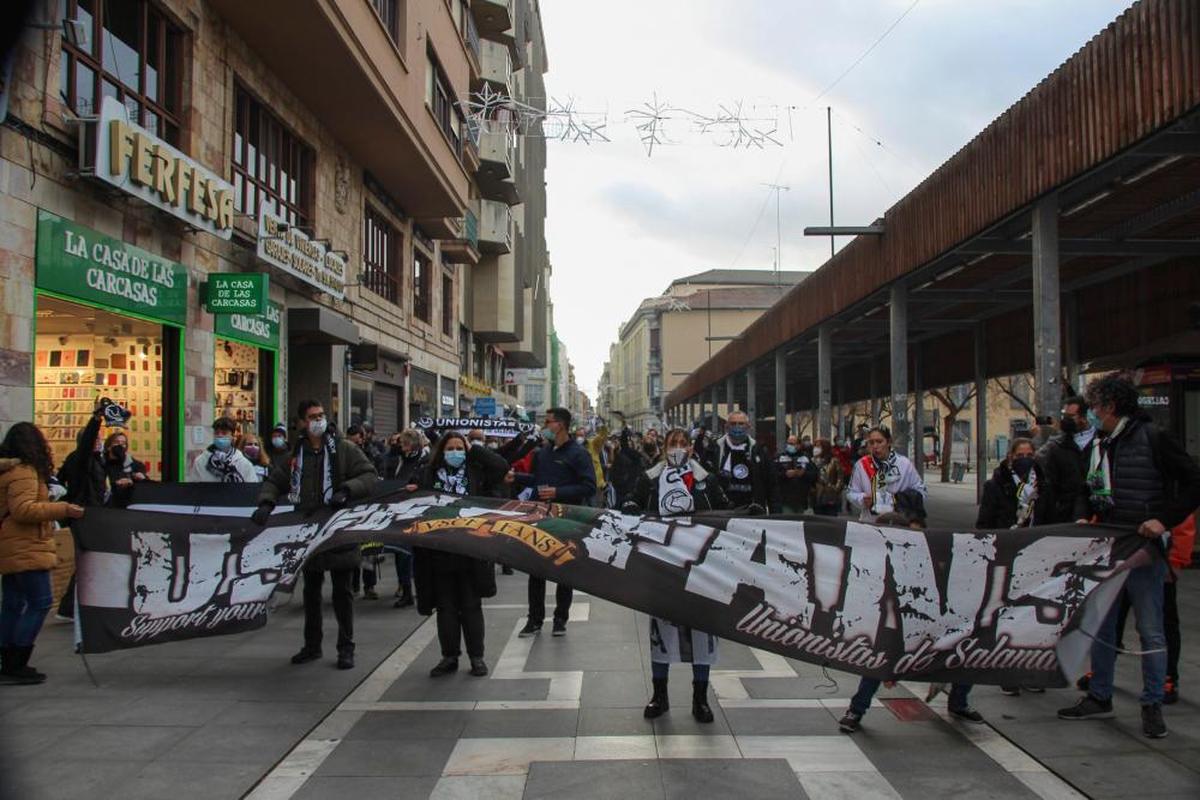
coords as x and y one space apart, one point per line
1105 463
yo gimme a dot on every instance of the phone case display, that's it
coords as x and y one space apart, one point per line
236 383
73 372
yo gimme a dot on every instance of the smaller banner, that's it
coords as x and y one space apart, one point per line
496 428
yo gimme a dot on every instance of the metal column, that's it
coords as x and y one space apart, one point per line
824 382
700 417
1047 345
1070 311
918 422
780 397
751 400
899 366
981 435
876 406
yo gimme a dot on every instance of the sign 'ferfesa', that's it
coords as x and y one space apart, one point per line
138 162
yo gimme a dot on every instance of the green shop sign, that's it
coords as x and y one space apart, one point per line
79 262
236 293
259 329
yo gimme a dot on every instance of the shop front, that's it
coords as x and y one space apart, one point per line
422 394
109 322
246 368
377 390
447 397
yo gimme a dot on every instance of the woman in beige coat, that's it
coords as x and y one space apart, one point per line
27 550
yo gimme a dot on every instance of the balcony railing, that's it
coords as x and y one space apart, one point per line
471 228
471 33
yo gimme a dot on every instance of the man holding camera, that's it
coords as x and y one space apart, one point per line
325 470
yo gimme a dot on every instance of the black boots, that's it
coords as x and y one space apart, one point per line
700 710
405 599
15 669
659 704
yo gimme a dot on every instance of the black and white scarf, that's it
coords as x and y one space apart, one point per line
220 464
452 481
674 493
329 446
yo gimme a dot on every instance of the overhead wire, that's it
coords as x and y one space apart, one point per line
866 52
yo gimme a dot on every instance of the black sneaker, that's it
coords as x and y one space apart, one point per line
306 655
1034 689
530 629
966 714
345 661
849 723
1010 691
559 628
444 667
370 594
1088 708
1153 726
479 667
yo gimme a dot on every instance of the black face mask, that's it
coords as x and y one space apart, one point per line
117 453
1022 466
1068 425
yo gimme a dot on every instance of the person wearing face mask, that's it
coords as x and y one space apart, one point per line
121 470
1064 462
744 468
795 473
678 486
450 584
1013 497
221 462
595 448
830 482
279 452
326 471
561 472
884 480
252 449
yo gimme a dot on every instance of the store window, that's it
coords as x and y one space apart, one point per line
128 50
271 166
362 405
422 284
83 354
382 263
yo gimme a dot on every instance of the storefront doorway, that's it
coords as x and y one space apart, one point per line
246 369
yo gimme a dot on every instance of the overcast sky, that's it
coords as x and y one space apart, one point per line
622 224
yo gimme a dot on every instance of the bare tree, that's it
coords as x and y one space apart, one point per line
953 409
1019 389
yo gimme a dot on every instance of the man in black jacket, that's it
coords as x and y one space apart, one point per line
745 469
1141 477
1064 463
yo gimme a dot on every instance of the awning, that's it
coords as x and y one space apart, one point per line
319 325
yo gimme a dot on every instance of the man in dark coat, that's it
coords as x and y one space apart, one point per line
1064 462
744 468
325 470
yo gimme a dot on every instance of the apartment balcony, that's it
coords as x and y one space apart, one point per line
475 55
464 247
496 66
496 176
365 84
494 18
496 313
495 228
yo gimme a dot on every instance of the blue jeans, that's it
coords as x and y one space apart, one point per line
660 669
1144 588
26 599
867 687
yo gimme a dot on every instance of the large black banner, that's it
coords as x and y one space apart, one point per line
1000 607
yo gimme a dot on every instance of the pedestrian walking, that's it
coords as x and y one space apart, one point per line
27 548
325 471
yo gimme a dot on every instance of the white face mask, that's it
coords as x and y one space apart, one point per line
580 440
817 451
318 426
677 456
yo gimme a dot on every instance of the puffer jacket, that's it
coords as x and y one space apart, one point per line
26 519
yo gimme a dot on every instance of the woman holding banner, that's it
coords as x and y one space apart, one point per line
678 486
454 585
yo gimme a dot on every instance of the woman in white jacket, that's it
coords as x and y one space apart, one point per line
881 476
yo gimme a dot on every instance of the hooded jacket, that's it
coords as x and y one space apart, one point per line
26 519
998 506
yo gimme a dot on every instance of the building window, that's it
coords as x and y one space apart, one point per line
271 166
422 284
442 103
447 304
127 50
382 269
391 15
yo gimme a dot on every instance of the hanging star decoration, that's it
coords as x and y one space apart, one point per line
649 121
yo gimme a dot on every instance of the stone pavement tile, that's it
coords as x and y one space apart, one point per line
688 746
1111 774
679 721
931 753
732 655
951 780
417 685
128 742
1050 738
616 689
177 781
721 779
594 631
521 724
245 744
614 748
780 721
68 710
805 686
253 712
19 741
595 780
63 779
189 713
506 756
391 787
474 787
1189 758
403 757
613 722
830 753
847 786
383 725
551 655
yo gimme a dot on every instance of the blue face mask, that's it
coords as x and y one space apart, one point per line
737 433
1093 420
455 458
548 435
222 442
791 448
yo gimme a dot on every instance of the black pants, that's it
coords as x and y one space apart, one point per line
459 614
1170 627
537 601
343 607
